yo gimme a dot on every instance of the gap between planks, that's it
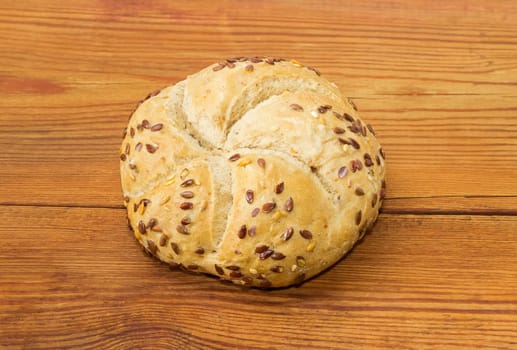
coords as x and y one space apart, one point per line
384 210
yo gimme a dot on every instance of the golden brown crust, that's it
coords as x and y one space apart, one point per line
255 170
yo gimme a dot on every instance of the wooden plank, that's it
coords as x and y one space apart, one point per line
75 278
442 96
75 161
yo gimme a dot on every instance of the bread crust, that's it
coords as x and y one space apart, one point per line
255 170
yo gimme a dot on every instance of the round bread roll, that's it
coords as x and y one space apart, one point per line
256 170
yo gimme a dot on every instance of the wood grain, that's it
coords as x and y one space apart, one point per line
437 82
437 79
415 282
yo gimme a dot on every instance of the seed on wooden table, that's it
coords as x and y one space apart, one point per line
287 234
289 204
268 207
279 188
306 234
249 196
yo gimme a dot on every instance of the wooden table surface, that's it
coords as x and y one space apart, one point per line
437 79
